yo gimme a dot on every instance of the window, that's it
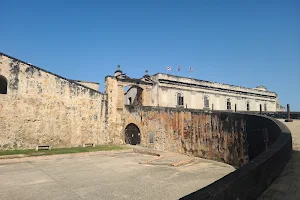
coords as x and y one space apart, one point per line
206 102
248 106
3 85
130 100
260 107
228 104
180 101
265 107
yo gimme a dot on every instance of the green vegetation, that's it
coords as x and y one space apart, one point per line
32 152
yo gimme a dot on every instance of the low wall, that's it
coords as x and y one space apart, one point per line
283 115
250 180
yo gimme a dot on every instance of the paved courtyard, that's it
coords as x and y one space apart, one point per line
112 176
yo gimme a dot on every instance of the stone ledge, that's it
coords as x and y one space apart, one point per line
151 160
182 162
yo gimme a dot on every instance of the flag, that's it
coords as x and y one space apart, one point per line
178 68
191 69
168 68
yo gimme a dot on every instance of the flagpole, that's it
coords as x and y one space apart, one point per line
191 81
191 70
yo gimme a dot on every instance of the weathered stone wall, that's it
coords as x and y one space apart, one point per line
217 136
114 88
251 179
41 108
114 112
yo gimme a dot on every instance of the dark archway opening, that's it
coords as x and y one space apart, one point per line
132 134
133 95
3 85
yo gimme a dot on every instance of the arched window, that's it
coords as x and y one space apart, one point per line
228 104
180 101
3 85
206 102
248 106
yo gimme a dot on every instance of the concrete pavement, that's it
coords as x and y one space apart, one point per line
111 176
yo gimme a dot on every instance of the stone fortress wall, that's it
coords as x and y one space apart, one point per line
215 136
259 146
41 108
270 148
116 107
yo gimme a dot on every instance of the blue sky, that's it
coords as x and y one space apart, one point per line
245 43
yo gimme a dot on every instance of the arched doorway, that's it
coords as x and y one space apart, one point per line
132 134
3 85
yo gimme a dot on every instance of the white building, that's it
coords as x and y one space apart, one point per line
175 91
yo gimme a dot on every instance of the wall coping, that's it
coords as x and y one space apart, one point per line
84 81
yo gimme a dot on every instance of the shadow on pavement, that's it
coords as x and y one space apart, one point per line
287 185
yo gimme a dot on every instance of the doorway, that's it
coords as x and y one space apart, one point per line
132 134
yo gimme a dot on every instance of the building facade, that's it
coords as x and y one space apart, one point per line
175 91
